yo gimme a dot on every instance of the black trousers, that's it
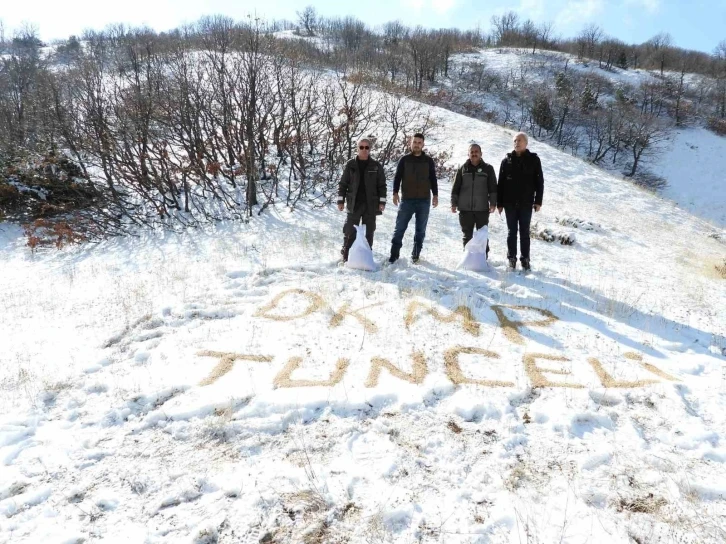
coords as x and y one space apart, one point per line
518 218
356 217
469 220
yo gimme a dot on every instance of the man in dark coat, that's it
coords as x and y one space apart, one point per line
520 189
362 189
416 177
474 193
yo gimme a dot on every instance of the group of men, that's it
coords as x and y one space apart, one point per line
475 194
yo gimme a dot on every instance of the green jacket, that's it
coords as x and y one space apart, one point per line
475 187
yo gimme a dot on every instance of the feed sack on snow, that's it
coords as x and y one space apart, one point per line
361 255
475 252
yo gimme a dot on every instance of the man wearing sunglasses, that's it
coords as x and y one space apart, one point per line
416 177
362 189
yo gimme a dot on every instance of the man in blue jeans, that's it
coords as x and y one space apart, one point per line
519 191
416 178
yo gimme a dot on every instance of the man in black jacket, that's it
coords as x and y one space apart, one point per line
520 189
474 193
416 177
362 189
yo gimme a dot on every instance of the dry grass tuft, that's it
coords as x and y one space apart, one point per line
455 374
226 362
284 378
463 313
511 327
340 315
536 374
416 377
315 303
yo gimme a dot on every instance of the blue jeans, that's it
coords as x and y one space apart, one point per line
518 218
419 207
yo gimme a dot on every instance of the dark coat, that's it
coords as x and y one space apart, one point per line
416 177
475 187
521 182
375 184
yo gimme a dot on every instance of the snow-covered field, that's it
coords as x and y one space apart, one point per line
507 59
691 162
235 385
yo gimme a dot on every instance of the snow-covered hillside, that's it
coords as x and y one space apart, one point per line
506 59
234 384
690 162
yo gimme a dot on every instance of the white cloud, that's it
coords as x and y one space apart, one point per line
582 11
532 9
442 6
651 5
416 5
438 6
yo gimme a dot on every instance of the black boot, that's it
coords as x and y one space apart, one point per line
512 263
344 253
525 264
415 254
394 256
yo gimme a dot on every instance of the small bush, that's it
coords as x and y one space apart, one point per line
442 160
721 269
46 232
549 235
42 186
717 125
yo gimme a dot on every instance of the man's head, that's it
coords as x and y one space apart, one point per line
520 142
364 149
474 154
417 143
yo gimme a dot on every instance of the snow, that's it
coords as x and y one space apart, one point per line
690 162
316 41
508 60
107 433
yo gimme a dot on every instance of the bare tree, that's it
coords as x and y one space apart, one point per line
530 34
643 133
544 33
660 46
394 32
719 71
505 28
308 20
589 37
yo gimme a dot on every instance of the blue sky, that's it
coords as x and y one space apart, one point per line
695 24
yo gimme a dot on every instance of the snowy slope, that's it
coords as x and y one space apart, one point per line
691 163
159 389
506 59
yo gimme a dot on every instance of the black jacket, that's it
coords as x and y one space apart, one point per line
475 187
521 182
375 185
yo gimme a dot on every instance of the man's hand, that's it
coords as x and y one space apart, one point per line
381 207
537 207
435 201
500 208
492 208
395 199
340 206
453 209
